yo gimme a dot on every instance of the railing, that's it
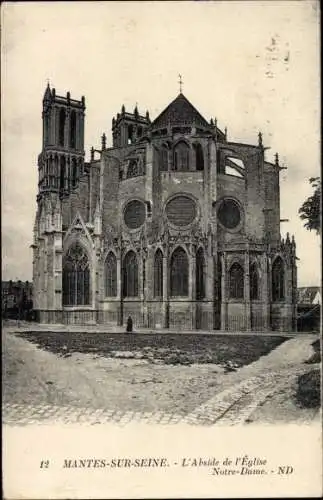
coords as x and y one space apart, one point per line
177 320
236 323
109 317
79 317
257 322
180 321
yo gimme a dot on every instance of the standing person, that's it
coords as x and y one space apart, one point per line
129 325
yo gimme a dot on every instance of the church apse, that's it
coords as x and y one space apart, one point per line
174 225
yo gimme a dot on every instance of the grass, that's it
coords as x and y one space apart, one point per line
231 351
308 393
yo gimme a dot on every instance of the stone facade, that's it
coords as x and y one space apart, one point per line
174 225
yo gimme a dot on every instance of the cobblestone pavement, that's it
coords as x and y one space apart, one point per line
236 405
244 392
50 414
233 406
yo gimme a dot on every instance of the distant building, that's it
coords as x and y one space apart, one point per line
174 225
16 298
308 308
309 295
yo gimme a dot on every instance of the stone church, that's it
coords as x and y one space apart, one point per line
174 225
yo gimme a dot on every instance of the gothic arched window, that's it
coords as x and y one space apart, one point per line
110 275
62 173
130 275
179 273
61 127
52 169
74 172
254 282
76 277
181 156
56 170
158 274
73 130
200 274
130 134
163 159
278 278
133 169
46 128
199 158
46 172
236 281
218 281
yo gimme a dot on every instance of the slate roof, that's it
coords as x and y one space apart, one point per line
306 294
179 111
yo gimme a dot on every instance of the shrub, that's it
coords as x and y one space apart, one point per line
316 356
308 394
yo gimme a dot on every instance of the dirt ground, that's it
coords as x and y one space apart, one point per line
124 384
33 376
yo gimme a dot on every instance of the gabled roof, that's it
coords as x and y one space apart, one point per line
307 294
179 111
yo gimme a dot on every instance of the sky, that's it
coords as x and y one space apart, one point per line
252 65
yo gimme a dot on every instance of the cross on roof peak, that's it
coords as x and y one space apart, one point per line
180 81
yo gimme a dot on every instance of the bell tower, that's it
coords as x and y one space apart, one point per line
128 128
61 161
60 165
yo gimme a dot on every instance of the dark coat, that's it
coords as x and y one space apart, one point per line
129 325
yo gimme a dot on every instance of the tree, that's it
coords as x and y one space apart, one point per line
311 208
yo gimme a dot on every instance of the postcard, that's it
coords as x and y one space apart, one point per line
161 295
